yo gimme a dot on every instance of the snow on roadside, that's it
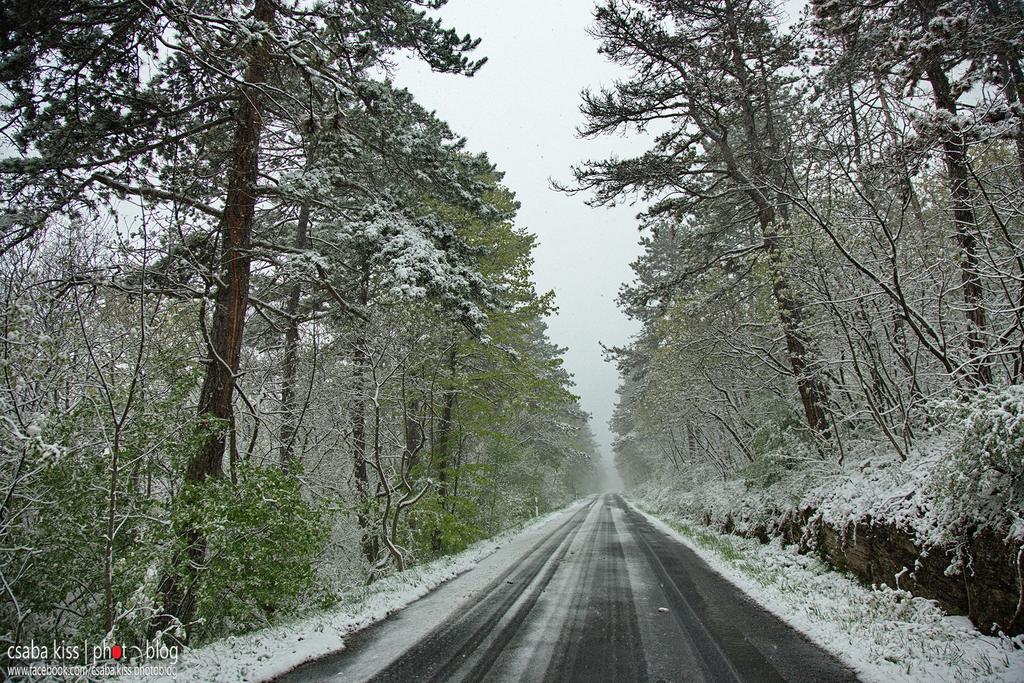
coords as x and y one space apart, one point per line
271 652
884 634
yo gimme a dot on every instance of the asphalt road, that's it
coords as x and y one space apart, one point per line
600 595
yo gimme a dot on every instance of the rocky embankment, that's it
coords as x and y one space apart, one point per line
986 583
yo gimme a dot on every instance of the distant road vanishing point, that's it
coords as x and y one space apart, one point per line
597 594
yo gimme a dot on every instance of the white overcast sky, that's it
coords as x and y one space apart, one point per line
522 108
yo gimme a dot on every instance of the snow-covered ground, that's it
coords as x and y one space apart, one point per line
268 653
884 634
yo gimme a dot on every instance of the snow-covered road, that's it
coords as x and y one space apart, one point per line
598 594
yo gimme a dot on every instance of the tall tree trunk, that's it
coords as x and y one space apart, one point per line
813 391
1013 88
954 151
289 402
907 185
413 435
443 447
357 415
768 166
225 338
1008 60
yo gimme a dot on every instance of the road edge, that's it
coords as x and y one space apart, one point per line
850 649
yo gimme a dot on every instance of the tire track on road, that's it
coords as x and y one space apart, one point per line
690 622
734 638
449 648
601 639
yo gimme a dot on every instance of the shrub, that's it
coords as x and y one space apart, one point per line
982 481
442 530
262 540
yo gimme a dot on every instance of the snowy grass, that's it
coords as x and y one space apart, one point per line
265 654
884 634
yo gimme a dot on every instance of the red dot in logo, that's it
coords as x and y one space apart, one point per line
116 652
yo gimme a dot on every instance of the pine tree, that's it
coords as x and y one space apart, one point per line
715 73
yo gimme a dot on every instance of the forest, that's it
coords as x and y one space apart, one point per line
267 329
274 358
832 285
